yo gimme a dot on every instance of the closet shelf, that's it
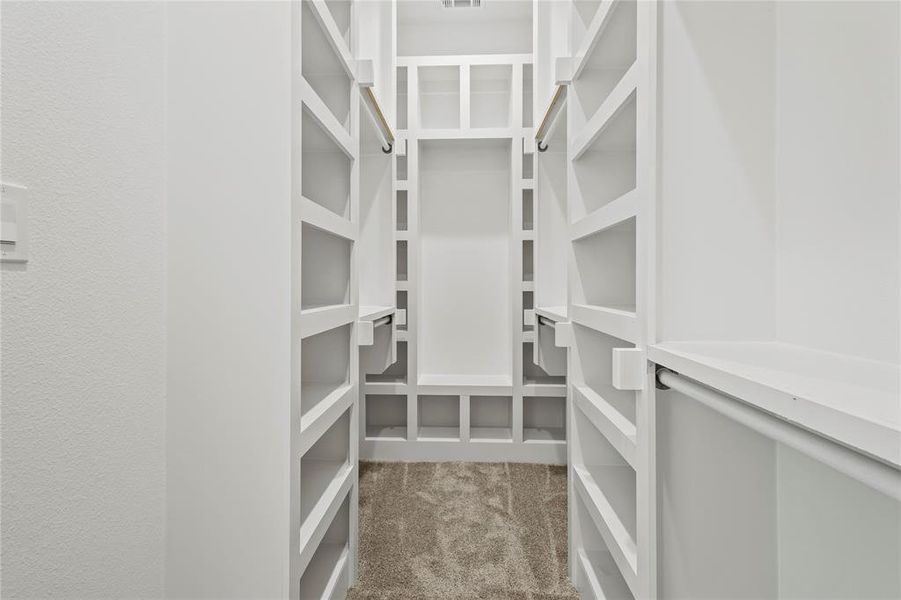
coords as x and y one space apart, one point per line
486 385
324 117
325 571
372 313
333 33
320 517
385 388
486 133
533 388
401 234
322 218
618 539
610 215
402 335
528 337
544 435
528 234
850 400
528 286
592 36
597 566
617 322
322 318
618 430
402 184
402 285
554 313
611 106
527 184
329 402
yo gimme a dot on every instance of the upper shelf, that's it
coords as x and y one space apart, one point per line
852 401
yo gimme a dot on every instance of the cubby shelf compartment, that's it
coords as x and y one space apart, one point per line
600 506
439 418
326 572
605 167
325 268
323 219
386 416
619 431
328 403
323 468
850 400
613 105
330 161
323 117
439 97
323 67
610 215
314 527
599 569
491 418
544 419
491 95
325 387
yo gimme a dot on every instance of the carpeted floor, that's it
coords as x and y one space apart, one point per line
462 530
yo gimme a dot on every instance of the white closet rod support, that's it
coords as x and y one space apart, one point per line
869 471
545 320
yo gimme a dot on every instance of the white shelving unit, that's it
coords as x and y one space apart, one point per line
464 213
326 230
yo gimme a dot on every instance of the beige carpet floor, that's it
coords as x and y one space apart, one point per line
462 530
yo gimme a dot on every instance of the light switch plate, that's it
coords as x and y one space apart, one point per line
13 223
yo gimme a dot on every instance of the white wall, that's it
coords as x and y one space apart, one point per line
83 342
229 123
838 176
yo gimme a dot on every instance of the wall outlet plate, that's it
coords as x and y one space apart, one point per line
13 223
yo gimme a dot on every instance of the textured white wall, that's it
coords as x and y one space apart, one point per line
229 253
83 340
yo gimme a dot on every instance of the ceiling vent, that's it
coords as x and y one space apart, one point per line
461 3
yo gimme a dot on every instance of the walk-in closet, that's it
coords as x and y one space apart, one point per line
456 299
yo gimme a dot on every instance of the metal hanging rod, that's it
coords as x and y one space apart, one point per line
869 471
550 115
544 320
383 321
378 117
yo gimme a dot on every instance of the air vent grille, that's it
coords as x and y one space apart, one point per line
461 3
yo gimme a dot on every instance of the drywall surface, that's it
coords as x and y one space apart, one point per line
838 176
838 538
229 229
83 340
717 111
717 505
465 249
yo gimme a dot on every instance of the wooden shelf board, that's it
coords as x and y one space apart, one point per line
322 218
616 428
544 435
554 313
465 384
619 323
620 543
610 215
491 434
850 400
612 105
326 120
602 574
386 432
441 434
323 574
320 517
318 319
329 403
371 313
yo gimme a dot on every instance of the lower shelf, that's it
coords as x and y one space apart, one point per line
438 433
378 432
491 434
326 574
548 435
